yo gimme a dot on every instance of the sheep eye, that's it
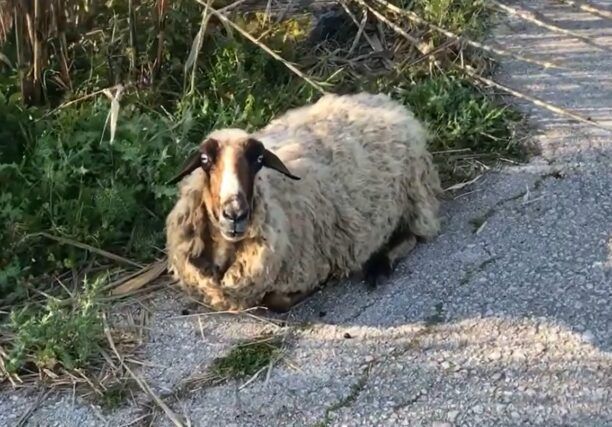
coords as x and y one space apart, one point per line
204 159
260 159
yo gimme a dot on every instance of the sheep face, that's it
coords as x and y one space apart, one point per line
231 160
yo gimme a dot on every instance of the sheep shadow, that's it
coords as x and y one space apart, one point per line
517 245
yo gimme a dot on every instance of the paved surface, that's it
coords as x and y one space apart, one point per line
509 326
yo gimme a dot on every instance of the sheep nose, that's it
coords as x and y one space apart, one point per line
235 215
235 210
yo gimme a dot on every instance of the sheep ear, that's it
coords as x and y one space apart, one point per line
273 162
192 163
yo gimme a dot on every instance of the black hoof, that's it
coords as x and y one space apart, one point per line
376 267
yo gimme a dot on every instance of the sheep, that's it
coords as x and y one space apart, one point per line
342 186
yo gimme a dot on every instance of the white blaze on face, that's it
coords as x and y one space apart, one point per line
230 184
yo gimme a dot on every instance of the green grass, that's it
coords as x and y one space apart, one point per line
56 334
459 116
117 394
246 359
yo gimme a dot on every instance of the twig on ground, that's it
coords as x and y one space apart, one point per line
582 5
224 19
85 246
534 100
496 50
144 277
531 16
140 381
39 399
421 47
360 28
460 185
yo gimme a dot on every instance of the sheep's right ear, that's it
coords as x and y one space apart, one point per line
192 163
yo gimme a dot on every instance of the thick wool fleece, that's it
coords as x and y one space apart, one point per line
364 170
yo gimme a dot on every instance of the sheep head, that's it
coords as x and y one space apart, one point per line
231 159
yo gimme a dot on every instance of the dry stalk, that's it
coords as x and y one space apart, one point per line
516 93
487 48
531 16
140 381
85 246
582 5
145 276
360 28
539 102
39 399
192 59
85 97
413 41
225 20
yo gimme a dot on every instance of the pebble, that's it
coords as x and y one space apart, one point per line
441 424
478 409
452 416
495 355
497 376
588 336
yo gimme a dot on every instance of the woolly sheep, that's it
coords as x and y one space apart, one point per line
341 186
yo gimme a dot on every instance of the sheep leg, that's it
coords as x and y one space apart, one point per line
282 302
384 261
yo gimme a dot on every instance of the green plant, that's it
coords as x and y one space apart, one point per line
57 333
246 359
117 394
464 16
460 116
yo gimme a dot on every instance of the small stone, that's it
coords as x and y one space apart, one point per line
478 409
441 424
495 355
515 415
347 335
369 359
452 416
445 365
497 376
588 336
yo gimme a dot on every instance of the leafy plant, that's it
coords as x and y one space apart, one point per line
246 359
57 333
460 116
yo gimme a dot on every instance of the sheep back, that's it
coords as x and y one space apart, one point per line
365 171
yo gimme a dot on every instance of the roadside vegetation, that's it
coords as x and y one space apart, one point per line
101 101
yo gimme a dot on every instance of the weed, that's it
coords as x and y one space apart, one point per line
460 116
480 220
465 16
117 394
246 359
69 335
437 316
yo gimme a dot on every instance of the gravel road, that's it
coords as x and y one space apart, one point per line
508 326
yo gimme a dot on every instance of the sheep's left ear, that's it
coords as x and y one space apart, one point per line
192 163
271 161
